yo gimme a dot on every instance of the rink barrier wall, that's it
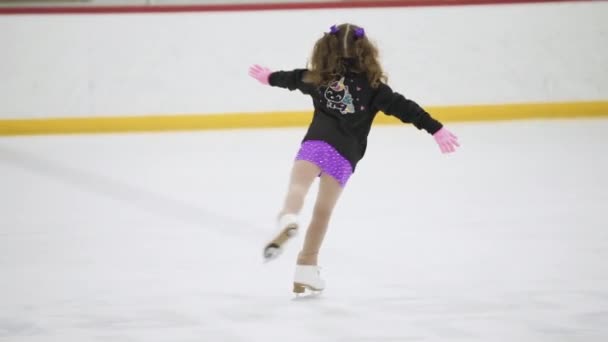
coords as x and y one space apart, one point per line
154 85
194 122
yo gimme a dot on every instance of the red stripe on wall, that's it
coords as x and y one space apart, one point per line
257 6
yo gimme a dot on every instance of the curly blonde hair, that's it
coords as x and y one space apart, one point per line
344 48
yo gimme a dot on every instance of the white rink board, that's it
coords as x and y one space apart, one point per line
136 64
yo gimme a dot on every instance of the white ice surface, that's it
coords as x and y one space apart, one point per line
157 237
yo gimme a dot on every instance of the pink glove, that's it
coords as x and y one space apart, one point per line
446 140
260 73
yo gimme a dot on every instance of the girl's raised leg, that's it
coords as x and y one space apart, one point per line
302 176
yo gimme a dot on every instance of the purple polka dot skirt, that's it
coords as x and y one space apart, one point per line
327 158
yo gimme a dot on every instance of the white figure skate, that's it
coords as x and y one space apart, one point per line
287 229
308 277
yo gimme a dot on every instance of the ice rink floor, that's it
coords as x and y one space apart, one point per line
157 237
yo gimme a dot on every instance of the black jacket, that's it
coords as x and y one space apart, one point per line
345 109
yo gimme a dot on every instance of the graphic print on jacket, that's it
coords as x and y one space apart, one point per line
338 97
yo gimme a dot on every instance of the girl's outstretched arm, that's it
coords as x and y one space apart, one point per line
260 73
291 80
408 111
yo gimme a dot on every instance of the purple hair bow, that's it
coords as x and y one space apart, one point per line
359 32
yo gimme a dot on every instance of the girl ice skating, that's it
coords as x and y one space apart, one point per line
348 88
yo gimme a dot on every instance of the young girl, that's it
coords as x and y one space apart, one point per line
348 89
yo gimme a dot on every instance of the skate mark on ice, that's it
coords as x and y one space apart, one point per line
328 306
599 317
144 319
383 339
13 328
136 196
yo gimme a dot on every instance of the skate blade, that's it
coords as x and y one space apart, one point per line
272 252
304 290
275 247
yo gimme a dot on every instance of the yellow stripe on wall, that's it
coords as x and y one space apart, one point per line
159 123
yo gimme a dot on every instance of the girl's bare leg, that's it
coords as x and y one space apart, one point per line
303 174
329 192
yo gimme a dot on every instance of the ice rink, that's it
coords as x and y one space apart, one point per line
158 237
